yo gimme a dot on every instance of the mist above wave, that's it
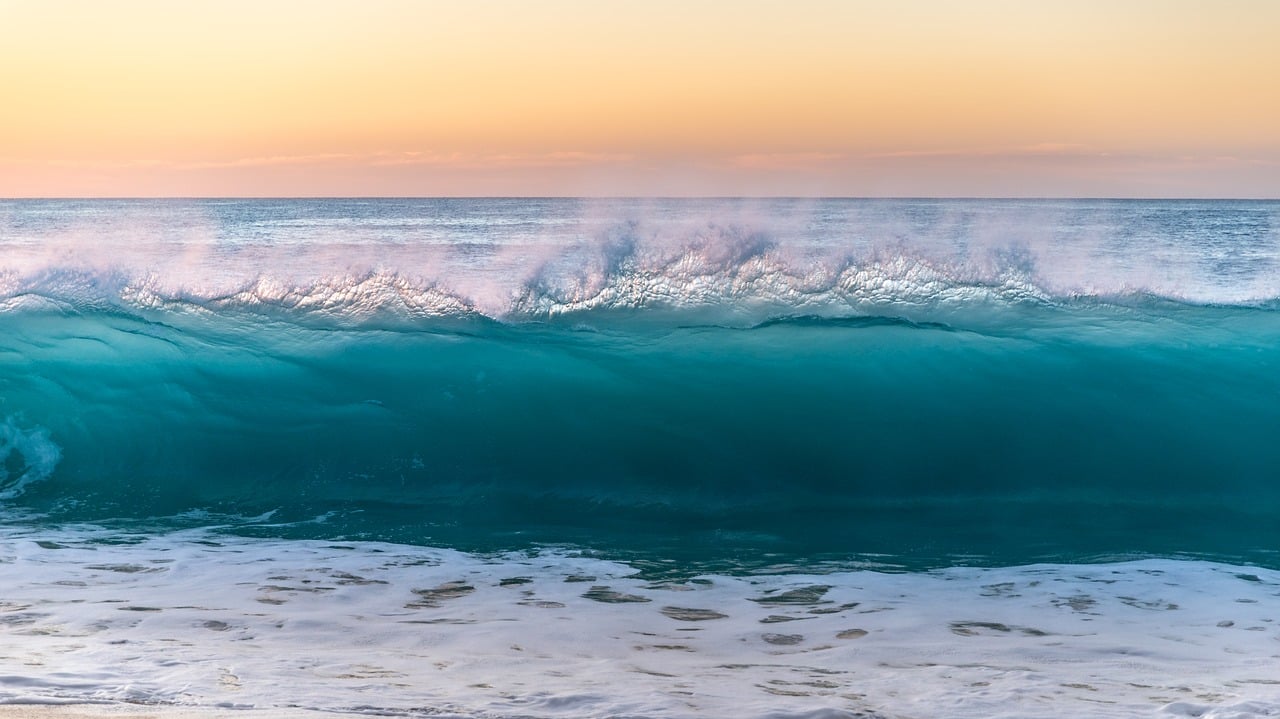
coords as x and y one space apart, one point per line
730 261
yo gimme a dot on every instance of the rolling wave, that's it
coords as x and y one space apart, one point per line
804 437
497 416
941 380
694 285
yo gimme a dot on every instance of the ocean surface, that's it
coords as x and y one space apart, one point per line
642 458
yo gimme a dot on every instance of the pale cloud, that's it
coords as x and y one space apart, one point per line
84 164
1048 152
785 160
1041 149
1043 169
464 160
456 160
315 159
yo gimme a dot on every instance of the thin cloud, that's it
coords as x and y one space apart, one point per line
454 160
501 160
1074 152
785 160
1042 149
321 158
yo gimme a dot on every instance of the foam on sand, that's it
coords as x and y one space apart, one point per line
200 619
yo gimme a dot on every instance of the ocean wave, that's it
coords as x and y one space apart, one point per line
736 262
746 438
738 279
750 276
370 295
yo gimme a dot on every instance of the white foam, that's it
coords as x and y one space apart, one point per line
196 618
517 262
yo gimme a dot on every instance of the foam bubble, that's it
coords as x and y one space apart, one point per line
202 619
743 261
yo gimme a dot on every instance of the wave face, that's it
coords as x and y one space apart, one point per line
569 459
732 383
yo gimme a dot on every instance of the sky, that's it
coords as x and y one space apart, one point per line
1122 98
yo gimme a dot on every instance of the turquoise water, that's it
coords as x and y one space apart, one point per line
720 383
565 459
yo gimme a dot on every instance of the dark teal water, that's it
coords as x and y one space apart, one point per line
717 403
1142 434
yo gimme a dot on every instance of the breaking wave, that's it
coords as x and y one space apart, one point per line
745 386
722 275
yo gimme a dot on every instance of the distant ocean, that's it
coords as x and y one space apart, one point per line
642 458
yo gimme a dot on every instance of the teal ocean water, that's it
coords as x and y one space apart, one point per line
685 391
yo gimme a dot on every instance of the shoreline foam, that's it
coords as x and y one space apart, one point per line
198 619
136 711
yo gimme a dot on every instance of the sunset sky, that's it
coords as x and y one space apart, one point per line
566 97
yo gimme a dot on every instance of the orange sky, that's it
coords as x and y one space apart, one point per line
569 97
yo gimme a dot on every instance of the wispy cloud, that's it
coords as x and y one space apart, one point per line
268 161
79 164
1042 149
457 160
1077 153
464 160
785 160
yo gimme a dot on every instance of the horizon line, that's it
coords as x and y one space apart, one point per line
1148 198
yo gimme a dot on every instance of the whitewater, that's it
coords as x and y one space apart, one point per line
644 458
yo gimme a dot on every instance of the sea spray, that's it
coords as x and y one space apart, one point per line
562 458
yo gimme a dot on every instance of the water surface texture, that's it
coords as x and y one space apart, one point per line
997 409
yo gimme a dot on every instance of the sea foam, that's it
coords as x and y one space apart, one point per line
200 618
735 261
561 458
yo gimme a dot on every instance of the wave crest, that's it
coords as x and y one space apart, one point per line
711 271
770 282
352 297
